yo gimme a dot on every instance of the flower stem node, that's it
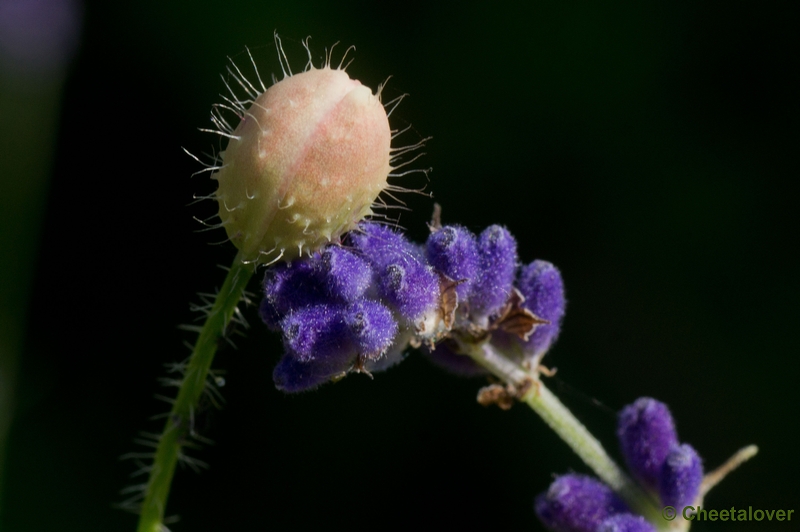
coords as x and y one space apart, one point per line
307 160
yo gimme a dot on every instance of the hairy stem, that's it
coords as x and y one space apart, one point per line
558 417
178 426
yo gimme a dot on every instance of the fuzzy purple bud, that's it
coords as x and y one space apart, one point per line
646 435
453 250
372 328
681 476
322 342
411 287
345 275
381 245
405 281
335 276
289 286
497 252
577 503
541 285
319 346
626 523
317 332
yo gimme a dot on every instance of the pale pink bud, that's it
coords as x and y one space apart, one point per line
305 164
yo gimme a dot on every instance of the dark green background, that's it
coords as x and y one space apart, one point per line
649 149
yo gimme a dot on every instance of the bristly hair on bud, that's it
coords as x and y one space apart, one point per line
306 159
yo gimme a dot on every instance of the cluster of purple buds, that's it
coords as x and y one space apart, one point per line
669 471
358 306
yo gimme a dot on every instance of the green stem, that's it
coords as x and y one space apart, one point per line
589 449
564 423
178 425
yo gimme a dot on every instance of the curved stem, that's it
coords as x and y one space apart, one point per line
588 448
178 425
558 417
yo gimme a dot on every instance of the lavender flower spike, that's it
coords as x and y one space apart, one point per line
681 476
358 306
577 503
646 435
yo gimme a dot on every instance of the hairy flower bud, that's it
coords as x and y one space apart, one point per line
497 252
453 250
577 503
304 165
681 476
646 433
541 284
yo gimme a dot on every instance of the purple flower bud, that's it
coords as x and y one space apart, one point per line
289 286
646 435
333 276
381 245
681 476
541 285
577 503
317 332
412 288
345 275
497 252
453 250
319 346
372 328
405 281
626 523
445 357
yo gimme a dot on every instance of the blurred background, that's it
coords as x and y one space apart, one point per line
649 149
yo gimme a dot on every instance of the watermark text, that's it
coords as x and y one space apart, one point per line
698 513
